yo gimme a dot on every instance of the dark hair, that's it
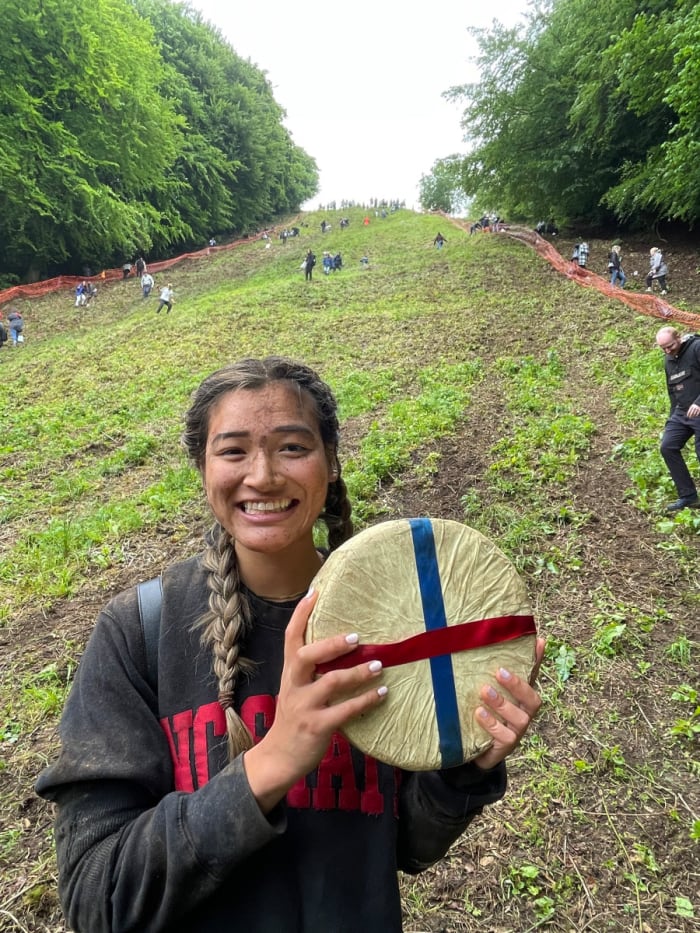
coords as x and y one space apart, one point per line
228 617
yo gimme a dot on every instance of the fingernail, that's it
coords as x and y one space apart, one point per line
482 713
352 639
506 675
382 691
375 666
492 694
310 592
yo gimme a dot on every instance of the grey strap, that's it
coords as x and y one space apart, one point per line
150 596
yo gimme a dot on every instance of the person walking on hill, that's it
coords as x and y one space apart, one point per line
309 264
658 270
166 299
15 322
682 367
80 297
580 256
617 273
217 791
439 241
147 284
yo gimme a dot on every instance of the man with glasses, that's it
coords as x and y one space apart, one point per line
683 382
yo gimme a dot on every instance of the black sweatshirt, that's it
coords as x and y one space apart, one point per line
156 832
683 374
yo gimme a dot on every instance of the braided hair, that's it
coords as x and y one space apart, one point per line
228 618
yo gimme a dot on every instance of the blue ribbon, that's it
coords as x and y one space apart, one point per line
442 673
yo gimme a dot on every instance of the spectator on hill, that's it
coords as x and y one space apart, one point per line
80 298
682 367
327 262
439 241
140 266
126 270
166 299
15 323
617 273
214 790
90 293
147 284
309 264
658 270
580 254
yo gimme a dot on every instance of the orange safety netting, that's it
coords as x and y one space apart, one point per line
641 301
38 289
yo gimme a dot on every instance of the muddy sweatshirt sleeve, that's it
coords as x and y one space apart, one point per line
133 854
435 807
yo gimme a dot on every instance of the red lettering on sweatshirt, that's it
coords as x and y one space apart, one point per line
179 741
332 786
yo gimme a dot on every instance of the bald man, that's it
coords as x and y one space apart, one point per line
683 382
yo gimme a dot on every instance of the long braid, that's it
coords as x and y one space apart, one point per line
224 626
337 513
228 617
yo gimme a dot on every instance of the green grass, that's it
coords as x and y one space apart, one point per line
472 380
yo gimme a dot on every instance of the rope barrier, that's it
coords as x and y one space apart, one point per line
644 303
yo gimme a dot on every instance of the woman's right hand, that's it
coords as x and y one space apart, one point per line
309 708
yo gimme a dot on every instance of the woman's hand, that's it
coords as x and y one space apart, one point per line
505 720
309 708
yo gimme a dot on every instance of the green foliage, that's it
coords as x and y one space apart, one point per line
131 125
587 117
441 189
88 139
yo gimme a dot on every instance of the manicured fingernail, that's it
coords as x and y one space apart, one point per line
310 592
506 675
482 713
375 666
352 639
492 694
382 691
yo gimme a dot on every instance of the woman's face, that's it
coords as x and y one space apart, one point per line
266 470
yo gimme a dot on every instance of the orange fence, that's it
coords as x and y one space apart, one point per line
38 289
642 302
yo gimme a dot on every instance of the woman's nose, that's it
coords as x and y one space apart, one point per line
262 472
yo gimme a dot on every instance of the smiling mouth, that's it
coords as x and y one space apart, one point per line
278 505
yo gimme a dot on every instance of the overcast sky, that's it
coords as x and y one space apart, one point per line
361 83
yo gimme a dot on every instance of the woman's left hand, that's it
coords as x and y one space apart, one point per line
506 720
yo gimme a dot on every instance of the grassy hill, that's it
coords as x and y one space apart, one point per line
474 383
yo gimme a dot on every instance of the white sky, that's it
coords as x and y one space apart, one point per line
361 82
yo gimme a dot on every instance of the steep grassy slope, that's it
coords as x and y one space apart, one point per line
474 384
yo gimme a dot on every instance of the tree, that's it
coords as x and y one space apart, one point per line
239 164
588 118
441 190
87 138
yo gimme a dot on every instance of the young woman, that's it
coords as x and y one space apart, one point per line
617 273
222 796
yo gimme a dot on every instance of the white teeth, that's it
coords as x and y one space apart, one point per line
278 505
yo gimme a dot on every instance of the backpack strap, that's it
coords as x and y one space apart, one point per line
150 597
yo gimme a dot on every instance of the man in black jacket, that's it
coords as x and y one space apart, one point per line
683 382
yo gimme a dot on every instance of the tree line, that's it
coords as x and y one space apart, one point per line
586 111
132 125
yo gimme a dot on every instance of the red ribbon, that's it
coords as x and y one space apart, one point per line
446 640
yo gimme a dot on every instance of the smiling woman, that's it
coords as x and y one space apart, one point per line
164 825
